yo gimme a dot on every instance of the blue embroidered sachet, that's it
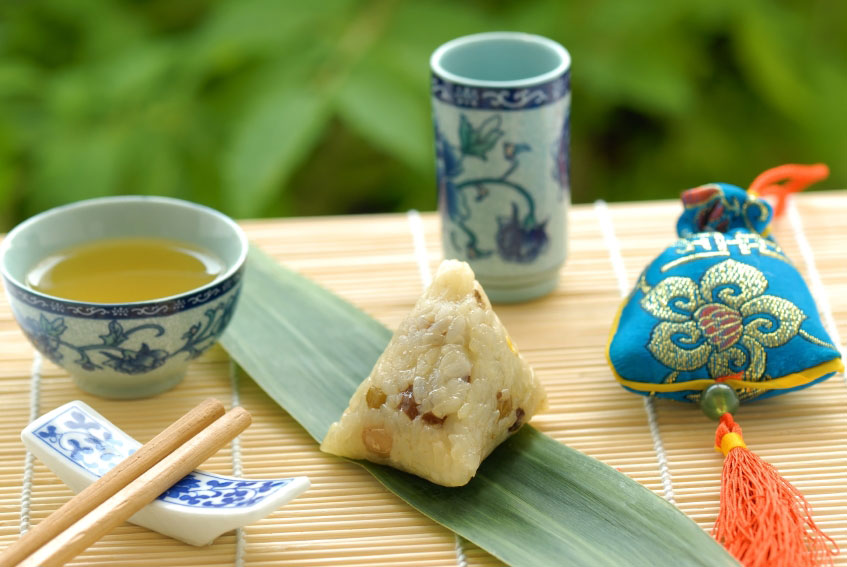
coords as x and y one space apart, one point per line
722 304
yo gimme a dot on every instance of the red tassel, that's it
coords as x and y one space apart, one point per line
764 521
781 181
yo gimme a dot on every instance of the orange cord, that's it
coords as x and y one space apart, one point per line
764 521
736 376
783 180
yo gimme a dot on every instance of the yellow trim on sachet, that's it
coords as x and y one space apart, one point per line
782 383
729 442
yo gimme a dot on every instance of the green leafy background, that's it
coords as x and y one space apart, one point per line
284 107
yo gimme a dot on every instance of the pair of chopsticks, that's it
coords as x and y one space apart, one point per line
128 487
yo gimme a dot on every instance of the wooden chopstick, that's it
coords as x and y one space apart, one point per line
140 492
122 474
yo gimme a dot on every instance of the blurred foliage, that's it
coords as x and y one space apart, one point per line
291 107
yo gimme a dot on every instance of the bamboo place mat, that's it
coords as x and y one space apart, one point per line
377 263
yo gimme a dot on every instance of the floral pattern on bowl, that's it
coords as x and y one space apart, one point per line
111 350
80 445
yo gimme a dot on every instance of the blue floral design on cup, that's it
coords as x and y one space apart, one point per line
518 239
502 158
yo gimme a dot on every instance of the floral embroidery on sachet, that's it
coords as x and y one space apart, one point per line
722 303
723 322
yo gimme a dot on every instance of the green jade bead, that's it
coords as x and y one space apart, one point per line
717 400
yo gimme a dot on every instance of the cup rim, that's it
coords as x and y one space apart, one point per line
8 241
560 69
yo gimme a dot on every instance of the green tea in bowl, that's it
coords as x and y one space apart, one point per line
123 292
119 270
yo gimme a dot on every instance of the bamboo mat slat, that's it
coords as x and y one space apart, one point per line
346 518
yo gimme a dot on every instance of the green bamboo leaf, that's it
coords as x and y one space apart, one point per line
262 27
389 113
18 78
423 26
73 165
766 55
10 142
275 136
534 502
155 167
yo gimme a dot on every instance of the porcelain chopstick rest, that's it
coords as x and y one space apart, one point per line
79 445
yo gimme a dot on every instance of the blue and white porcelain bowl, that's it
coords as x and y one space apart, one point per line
124 350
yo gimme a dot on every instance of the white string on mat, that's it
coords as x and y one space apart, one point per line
607 227
29 460
815 281
237 468
422 259
461 559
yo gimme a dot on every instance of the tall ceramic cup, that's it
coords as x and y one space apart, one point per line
501 108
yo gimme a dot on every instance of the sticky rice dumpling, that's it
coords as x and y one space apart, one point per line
449 387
